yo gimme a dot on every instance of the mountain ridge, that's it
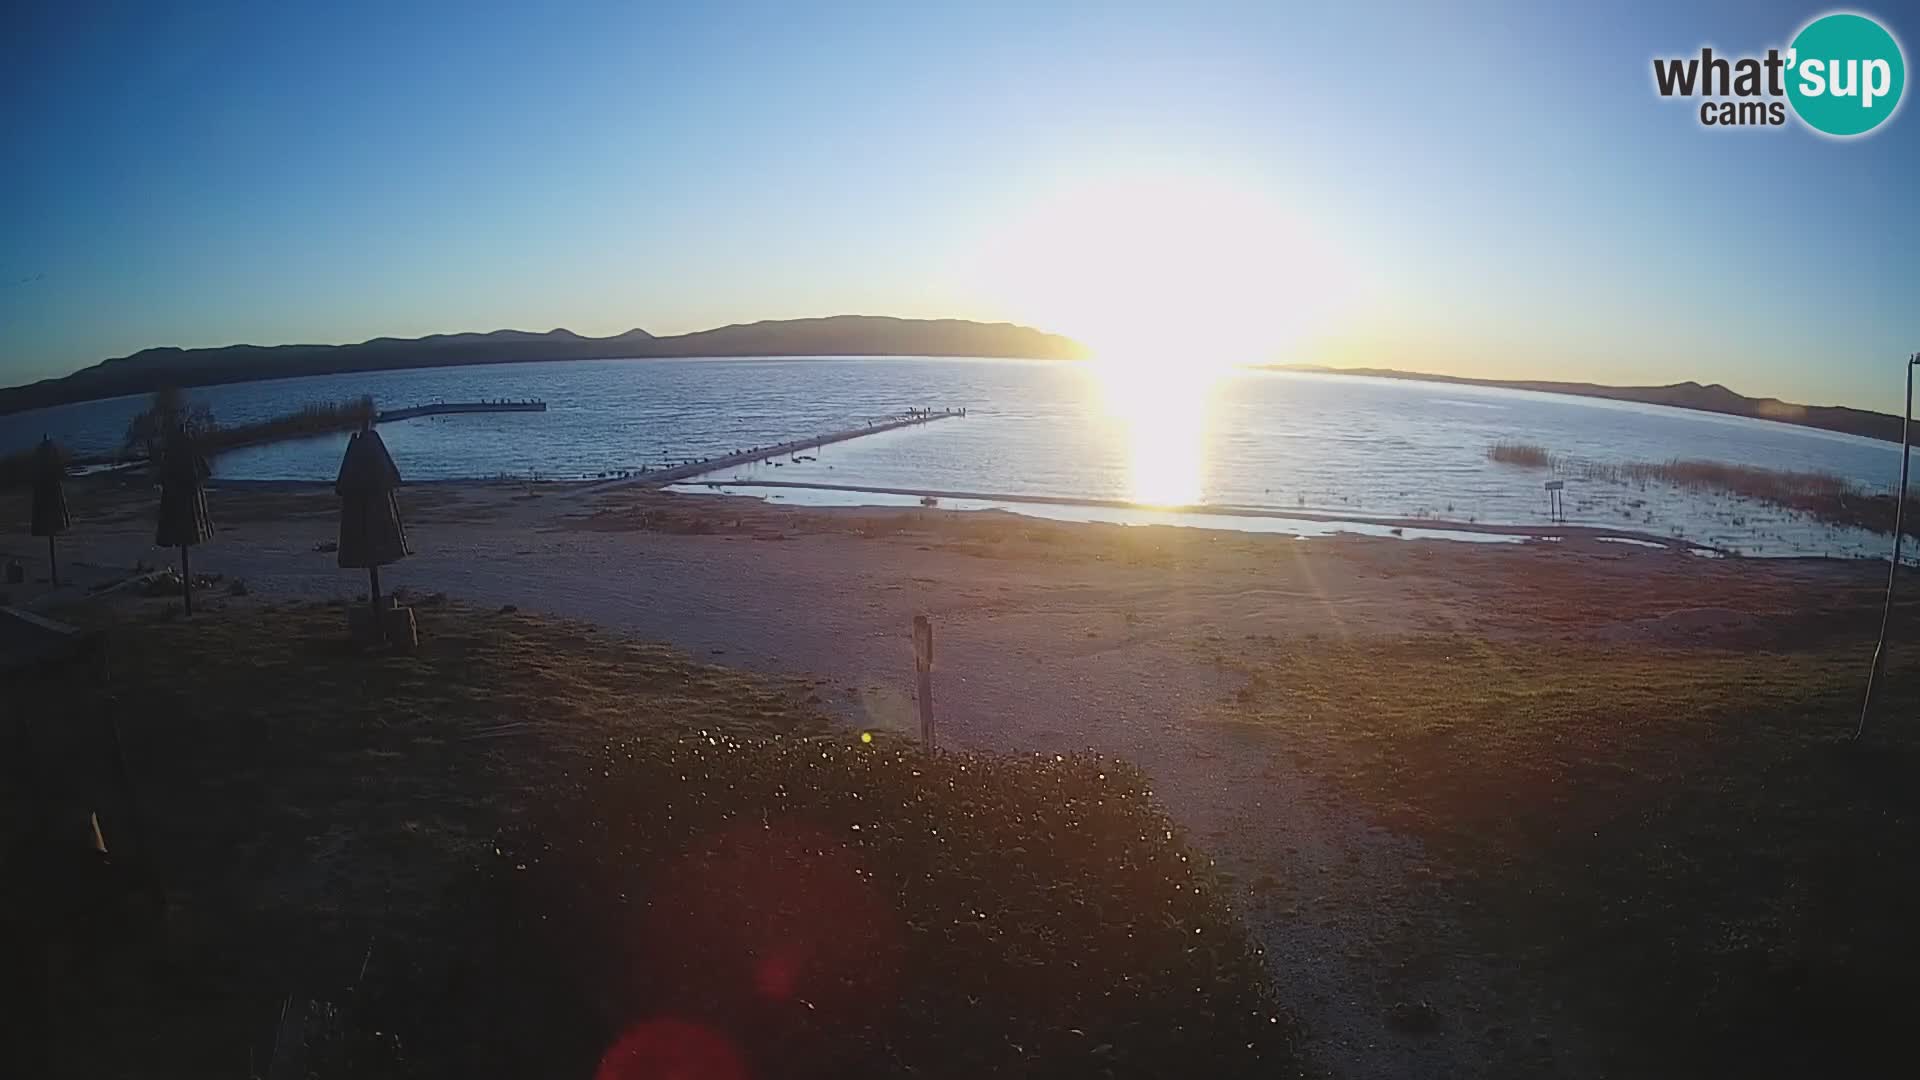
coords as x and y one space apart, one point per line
834 335
844 335
1699 397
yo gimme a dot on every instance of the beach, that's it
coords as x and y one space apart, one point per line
1145 643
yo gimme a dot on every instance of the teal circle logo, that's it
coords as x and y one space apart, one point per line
1845 74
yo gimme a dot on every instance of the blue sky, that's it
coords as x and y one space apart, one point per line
1496 188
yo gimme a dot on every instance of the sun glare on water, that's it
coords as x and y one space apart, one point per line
1171 281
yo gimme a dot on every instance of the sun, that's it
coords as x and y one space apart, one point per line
1171 279
1162 268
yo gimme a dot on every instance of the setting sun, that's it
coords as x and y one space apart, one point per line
1171 279
1165 269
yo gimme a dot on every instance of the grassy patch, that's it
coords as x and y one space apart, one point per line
1678 845
342 842
304 804
832 908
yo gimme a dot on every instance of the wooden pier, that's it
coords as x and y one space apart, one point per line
762 453
439 408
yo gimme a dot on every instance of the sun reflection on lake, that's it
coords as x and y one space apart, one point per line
1162 413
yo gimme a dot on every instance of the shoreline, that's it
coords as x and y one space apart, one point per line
1573 536
1519 531
1509 534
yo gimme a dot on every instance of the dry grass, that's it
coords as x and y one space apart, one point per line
428 861
1678 845
1525 455
1823 496
305 804
829 908
1771 485
1820 495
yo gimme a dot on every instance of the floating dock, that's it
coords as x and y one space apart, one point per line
439 408
761 453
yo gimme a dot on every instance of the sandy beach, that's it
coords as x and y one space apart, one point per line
1055 637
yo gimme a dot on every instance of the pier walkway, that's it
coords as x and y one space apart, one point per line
761 453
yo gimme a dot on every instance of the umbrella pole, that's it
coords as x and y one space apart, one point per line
53 564
186 579
373 597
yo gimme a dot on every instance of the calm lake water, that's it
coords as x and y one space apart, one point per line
1276 441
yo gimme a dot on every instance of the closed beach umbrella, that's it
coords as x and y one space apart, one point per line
50 517
183 501
371 535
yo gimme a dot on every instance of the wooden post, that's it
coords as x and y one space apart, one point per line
923 670
186 579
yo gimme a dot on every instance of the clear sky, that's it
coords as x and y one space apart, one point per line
1484 189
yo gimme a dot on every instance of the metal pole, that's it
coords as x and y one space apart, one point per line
1899 535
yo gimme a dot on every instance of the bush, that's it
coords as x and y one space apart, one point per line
810 907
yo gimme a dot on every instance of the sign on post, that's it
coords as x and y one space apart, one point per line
923 671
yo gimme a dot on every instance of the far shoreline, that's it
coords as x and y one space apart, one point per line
1713 399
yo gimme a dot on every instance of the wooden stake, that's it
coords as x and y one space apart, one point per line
923 670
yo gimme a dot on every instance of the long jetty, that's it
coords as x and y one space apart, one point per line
438 408
762 453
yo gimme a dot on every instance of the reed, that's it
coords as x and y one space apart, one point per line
309 420
1820 495
1525 455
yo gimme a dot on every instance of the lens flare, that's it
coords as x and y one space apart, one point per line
671 1049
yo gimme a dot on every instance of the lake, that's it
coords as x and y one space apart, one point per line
1233 439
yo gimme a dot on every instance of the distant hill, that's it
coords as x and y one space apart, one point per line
840 335
1712 397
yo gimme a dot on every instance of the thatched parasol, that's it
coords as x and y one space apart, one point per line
371 535
183 501
50 517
